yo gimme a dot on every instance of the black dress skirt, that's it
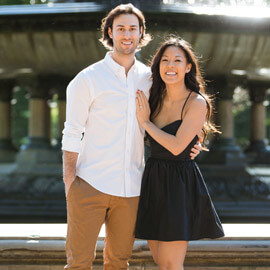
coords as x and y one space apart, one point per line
174 202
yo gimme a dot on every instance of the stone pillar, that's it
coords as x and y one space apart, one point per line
38 149
48 122
257 151
38 121
61 102
60 86
223 149
7 150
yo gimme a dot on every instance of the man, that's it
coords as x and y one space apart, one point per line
102 171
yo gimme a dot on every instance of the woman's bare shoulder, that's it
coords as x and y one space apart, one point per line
197 100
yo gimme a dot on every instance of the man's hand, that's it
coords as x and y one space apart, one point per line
68 183
197 148
195 151
69 168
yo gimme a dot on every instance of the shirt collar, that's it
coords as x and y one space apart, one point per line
115 67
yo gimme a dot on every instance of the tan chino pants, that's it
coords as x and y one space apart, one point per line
87 210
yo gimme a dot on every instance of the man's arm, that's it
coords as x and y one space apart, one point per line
77 112
69 168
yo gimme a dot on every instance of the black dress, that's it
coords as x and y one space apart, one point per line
174 201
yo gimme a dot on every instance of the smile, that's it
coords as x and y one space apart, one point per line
171 73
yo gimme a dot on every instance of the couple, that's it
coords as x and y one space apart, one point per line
108 103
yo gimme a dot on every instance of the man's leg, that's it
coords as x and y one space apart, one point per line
86 210
120 226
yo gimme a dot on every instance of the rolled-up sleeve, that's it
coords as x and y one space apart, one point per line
79 100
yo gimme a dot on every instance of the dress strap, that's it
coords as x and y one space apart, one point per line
185 104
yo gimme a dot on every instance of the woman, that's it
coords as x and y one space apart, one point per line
175 206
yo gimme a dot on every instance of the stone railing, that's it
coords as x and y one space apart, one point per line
42 247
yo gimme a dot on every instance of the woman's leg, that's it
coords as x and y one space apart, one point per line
153 245
171 255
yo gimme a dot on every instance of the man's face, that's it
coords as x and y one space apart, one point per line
125 34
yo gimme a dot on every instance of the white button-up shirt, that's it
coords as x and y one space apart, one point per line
101 126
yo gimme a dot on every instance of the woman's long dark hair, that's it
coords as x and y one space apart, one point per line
193 81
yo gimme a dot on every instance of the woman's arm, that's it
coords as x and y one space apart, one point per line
190 127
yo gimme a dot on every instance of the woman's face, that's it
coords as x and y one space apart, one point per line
173 66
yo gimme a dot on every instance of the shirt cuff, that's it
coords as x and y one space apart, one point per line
71 144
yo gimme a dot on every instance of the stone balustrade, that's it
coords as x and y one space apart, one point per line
42 247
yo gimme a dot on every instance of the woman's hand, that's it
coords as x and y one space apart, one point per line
142 108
